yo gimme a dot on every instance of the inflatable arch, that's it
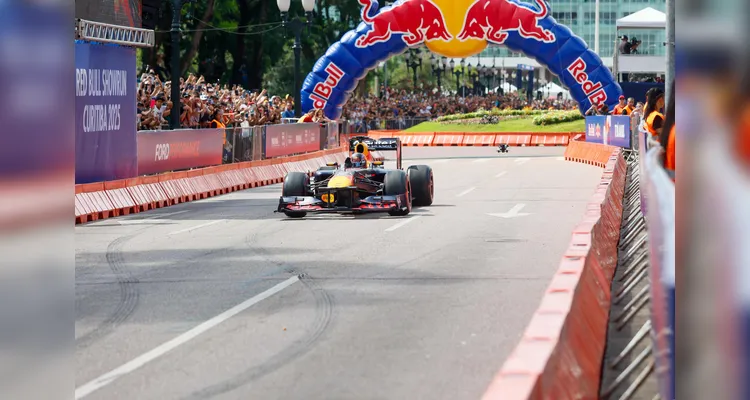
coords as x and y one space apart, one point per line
456 29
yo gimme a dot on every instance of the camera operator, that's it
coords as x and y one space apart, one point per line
628 47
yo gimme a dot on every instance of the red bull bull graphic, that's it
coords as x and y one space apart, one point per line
415 20
456 29
493 19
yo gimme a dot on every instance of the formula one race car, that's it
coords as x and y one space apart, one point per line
360 185
503 148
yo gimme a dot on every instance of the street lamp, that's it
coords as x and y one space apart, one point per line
413 61
458 73
296 26
174 121
438 69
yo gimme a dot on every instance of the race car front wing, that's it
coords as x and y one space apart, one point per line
337 200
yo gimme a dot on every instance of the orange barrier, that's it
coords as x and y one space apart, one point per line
513 140
417 139
94 201
479 140
448 139
588 153
560 354
550 139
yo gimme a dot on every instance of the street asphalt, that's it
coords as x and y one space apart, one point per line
224 299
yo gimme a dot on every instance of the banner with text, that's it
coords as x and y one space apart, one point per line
162 151
612 130
287 139
105 86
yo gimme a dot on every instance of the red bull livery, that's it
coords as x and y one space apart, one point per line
417 20
493 19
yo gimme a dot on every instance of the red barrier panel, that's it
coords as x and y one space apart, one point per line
560 354
287 139
160 151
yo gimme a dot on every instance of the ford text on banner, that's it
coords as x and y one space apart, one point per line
286 139
105 113
162 151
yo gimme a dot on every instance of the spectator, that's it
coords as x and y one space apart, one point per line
651 115
667 136
621 108
288 111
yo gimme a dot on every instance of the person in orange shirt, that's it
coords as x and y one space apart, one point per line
667 135
620 107
651 115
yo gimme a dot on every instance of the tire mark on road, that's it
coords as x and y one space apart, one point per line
324 310
129 294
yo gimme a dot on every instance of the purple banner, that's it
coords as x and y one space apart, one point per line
612 130
105 84
595 132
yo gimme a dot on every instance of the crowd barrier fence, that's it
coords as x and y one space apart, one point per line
658 206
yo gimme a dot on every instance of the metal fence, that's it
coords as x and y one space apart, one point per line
366 125
249 143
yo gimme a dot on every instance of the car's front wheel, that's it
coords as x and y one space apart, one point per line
422 184
396 183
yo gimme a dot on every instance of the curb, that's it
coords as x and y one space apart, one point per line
561 352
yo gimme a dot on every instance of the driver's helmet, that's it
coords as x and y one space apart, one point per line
358 160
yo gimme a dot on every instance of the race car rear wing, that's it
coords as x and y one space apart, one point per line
385 144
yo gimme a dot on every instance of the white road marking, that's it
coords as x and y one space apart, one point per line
197 227
514 212
402 223
465 192
560 158
501 174
159 351
521 161
481 160
445 160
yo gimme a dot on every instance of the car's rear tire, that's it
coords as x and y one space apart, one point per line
295 185
422 185
396 183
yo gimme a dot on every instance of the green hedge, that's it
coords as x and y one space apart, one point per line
495 111
557 117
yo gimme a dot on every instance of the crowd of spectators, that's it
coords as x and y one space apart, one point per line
205 105
401 106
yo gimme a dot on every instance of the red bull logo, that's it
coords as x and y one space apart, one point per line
417 20
322 91
493 19
594 91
